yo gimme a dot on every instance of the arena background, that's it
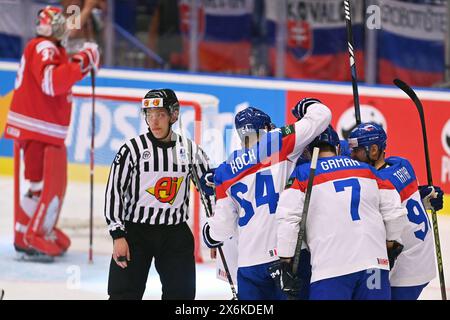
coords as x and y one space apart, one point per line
194 46
118 120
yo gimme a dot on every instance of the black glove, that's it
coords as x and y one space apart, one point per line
432 197
210 242
394 252
299 110
281 272
207 182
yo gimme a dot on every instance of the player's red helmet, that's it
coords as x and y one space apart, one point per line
51 22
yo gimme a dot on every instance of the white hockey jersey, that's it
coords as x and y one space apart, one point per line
248 185
352 212
416 264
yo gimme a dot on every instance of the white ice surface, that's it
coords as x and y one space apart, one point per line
58 280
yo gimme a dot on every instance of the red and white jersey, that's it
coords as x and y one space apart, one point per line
416 264
42 100
248 185
352 212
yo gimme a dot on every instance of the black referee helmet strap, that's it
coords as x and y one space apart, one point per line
170 100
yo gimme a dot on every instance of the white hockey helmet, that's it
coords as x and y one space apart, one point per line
51 22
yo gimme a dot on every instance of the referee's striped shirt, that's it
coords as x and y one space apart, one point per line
149 182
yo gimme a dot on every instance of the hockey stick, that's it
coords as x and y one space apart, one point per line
348 22
204 202
91 212
302 231
410 92
2 294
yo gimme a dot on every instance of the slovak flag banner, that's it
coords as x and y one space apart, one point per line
411 43
316 44
225 30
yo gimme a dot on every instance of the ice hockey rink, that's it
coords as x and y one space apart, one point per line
72 277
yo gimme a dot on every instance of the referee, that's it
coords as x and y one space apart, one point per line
147 205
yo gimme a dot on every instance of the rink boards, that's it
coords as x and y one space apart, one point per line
118 118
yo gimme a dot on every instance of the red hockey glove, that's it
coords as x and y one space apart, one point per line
88 58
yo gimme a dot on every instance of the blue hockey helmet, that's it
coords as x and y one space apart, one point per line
251 120
367 134
345 149
329 136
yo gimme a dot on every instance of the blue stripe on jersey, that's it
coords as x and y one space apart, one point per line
400 172
329 165
244 159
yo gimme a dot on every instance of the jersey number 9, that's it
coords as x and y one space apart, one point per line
417 215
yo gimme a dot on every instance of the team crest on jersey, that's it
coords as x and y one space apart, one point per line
166 189
300 38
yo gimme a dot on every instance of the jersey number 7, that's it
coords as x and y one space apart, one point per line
264 194
353 183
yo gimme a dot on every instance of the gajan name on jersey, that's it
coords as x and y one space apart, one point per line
338 163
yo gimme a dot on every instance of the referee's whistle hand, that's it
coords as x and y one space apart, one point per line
121 252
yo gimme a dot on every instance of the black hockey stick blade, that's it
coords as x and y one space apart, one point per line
410 92
413 96
405 87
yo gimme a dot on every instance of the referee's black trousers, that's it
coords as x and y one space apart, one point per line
172 247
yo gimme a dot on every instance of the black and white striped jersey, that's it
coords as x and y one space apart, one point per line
149 182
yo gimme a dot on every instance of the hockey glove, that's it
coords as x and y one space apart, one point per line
393 252
432 197
88 58
281 272
299 110
207 182
210 242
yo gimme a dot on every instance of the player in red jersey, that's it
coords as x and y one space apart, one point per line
38 121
